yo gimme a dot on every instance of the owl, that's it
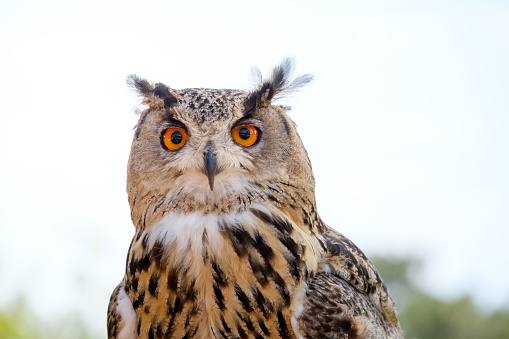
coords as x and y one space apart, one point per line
228 240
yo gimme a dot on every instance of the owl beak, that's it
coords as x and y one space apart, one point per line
210 165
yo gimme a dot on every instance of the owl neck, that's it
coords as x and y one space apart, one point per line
227 266
297 200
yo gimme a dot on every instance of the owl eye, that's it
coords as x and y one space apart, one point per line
245 135
174 138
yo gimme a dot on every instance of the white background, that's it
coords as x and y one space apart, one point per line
406 124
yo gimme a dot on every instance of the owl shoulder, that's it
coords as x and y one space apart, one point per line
347 297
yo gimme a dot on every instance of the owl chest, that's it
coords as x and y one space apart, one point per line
209 280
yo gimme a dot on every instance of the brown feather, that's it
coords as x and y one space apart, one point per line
250 259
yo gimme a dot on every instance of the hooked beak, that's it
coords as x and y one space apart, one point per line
210 165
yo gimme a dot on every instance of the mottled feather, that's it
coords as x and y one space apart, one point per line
246 257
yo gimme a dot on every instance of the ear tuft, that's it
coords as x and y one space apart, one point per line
162 91
144 87
152 92
277 85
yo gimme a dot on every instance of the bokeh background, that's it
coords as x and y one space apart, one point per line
406 124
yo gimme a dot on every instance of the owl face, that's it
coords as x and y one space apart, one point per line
211 147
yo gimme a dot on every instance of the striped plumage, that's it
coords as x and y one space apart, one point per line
228 240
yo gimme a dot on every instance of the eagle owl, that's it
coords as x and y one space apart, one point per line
228 240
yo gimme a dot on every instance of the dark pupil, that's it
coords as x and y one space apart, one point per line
244 133
176 137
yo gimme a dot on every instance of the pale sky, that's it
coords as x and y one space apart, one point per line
406 124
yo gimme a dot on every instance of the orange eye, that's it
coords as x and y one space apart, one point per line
174 138
245 135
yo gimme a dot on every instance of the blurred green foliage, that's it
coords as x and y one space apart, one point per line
422 316
17 321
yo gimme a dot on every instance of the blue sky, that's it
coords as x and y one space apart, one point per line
405 123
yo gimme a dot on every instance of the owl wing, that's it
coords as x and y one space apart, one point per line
121 315
347 299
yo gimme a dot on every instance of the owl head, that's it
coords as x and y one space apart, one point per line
214 150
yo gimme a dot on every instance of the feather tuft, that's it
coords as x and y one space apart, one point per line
277 85
149 90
